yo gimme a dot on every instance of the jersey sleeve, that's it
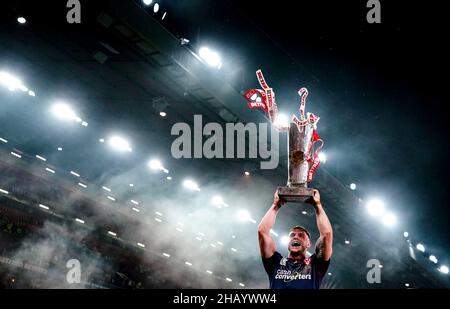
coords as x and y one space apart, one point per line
270 263
321 265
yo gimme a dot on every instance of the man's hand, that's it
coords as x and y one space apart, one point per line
315 199
277 201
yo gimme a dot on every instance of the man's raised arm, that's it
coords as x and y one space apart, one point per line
266 243
324 245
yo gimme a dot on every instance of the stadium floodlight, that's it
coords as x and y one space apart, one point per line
443 269
285 240
147 2
282 121
191 185
218 201
44 207
64 112
243 215
375 207
211 58
157 165
16 154
433 259
389 219
322 157
156 8
21 20
247 173
4 191
420 247
119 144
352 186
41 158
9 81
405 234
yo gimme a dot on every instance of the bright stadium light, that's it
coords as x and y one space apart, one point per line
433 259
375 207
157 165
147 2
189 184
247 173
322 157
211 58
218 201
44 207
119 144
389 219
11 82
405 234
285 240
420 247
352 186
282 121
244 215
156 8
64 112
443 269
21 20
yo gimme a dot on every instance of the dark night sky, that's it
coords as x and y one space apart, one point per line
379 89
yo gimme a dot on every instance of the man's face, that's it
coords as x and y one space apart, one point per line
298 241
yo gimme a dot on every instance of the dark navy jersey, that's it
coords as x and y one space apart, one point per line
287 273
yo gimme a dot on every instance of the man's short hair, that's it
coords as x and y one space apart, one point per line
299 227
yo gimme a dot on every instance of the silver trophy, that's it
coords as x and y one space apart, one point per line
299 142
303 159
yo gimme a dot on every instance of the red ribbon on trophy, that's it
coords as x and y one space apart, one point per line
265 99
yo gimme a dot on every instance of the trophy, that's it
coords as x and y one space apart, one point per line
303 160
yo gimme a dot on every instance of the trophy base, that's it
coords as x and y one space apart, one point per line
295 194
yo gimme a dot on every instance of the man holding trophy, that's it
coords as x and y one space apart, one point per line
297 271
